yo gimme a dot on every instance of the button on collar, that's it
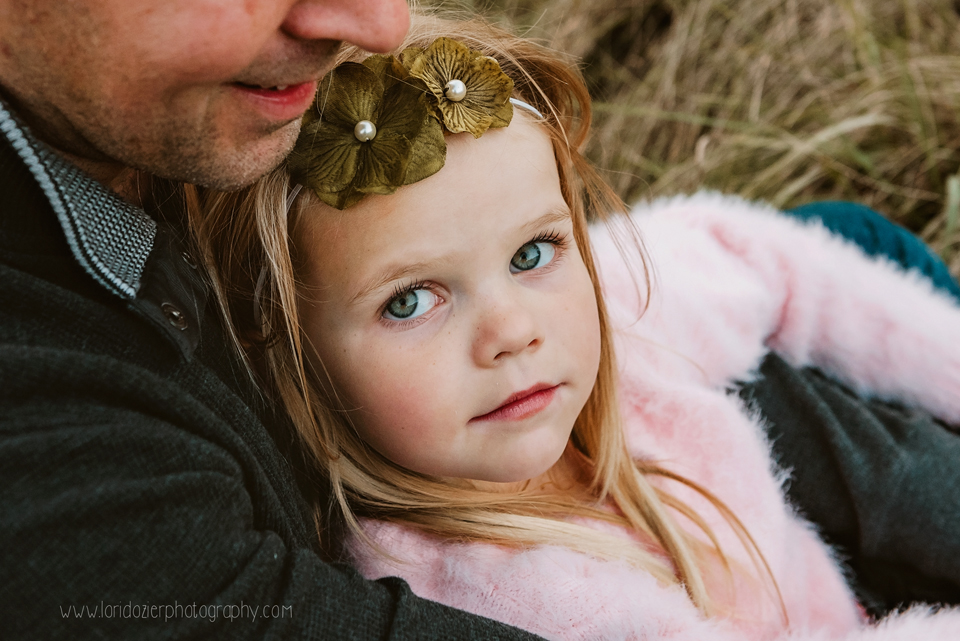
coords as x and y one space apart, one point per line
175 316
173 295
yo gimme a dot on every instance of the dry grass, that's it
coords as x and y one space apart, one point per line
783 100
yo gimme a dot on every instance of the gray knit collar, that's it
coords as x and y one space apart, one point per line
109 237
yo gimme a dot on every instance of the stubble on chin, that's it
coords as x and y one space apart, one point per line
216 162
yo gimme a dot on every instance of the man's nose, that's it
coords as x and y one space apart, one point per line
374 25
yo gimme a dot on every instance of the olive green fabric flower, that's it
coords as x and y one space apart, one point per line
486 101
380 124
341 166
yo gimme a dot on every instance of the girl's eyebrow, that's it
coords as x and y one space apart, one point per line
556 215
391 274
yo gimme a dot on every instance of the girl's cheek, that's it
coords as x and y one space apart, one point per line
400 408
408 394
582 320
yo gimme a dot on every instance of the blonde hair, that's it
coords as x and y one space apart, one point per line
245 238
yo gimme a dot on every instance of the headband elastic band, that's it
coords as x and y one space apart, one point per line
526 107
292 196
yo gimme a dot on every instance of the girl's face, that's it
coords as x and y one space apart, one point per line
456 317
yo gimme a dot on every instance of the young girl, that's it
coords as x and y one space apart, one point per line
441 324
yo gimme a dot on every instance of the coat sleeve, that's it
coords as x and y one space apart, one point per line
741 278
884 332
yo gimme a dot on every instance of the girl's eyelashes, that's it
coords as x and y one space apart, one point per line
409 303
538 252
412 301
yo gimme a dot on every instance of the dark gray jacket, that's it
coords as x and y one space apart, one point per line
142 495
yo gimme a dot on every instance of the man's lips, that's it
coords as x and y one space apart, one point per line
521 405
280 102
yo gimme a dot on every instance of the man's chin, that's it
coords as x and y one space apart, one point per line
254 160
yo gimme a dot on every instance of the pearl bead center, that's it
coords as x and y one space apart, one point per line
455 90
365 131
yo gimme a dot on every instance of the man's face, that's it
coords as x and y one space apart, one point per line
203 91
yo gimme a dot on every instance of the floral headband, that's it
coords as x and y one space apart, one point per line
380 124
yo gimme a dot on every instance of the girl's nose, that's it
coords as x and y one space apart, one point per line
506 327
374 25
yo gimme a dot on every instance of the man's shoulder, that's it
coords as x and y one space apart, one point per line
64 354
77 356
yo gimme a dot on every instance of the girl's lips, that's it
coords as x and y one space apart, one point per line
279 104
522 404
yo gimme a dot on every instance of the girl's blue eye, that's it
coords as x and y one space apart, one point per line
410 304
531 255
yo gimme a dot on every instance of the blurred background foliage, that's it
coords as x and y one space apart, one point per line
788 101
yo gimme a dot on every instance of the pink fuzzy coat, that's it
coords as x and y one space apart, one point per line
732 281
